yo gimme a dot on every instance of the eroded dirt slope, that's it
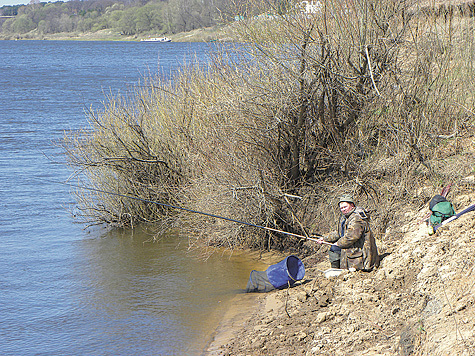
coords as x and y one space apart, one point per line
419 302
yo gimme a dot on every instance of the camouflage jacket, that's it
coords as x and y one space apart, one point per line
357 241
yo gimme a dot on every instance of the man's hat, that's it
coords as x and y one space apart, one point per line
347 198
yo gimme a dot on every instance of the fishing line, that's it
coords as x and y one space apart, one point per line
184 209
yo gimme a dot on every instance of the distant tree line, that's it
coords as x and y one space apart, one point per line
129 17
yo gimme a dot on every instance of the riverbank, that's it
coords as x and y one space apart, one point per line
241 307
210 34
420 301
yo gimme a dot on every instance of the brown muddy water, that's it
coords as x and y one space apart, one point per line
163 289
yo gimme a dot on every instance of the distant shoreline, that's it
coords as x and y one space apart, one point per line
211 34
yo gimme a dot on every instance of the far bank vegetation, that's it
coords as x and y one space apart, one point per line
373 98
136 18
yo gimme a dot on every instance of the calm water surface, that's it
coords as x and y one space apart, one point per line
69 291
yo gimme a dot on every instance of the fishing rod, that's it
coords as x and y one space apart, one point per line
190 211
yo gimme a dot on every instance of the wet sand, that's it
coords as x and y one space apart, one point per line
242 308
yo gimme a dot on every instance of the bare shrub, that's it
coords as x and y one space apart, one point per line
130 150
359 98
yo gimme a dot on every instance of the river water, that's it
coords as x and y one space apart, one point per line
66 290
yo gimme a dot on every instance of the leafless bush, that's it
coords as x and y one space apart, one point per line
130 149
359 97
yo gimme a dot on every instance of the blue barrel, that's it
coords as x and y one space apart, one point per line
289 270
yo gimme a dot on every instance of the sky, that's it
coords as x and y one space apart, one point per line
13 2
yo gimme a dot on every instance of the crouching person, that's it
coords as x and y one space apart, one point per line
354 245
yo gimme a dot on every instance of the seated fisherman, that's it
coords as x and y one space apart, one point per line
354 245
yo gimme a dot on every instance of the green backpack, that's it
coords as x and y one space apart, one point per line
441 210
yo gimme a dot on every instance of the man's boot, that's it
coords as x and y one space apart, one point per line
334 257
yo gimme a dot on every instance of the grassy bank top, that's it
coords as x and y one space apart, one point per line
182 21
210 34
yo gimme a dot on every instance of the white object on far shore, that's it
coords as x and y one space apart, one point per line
156 39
